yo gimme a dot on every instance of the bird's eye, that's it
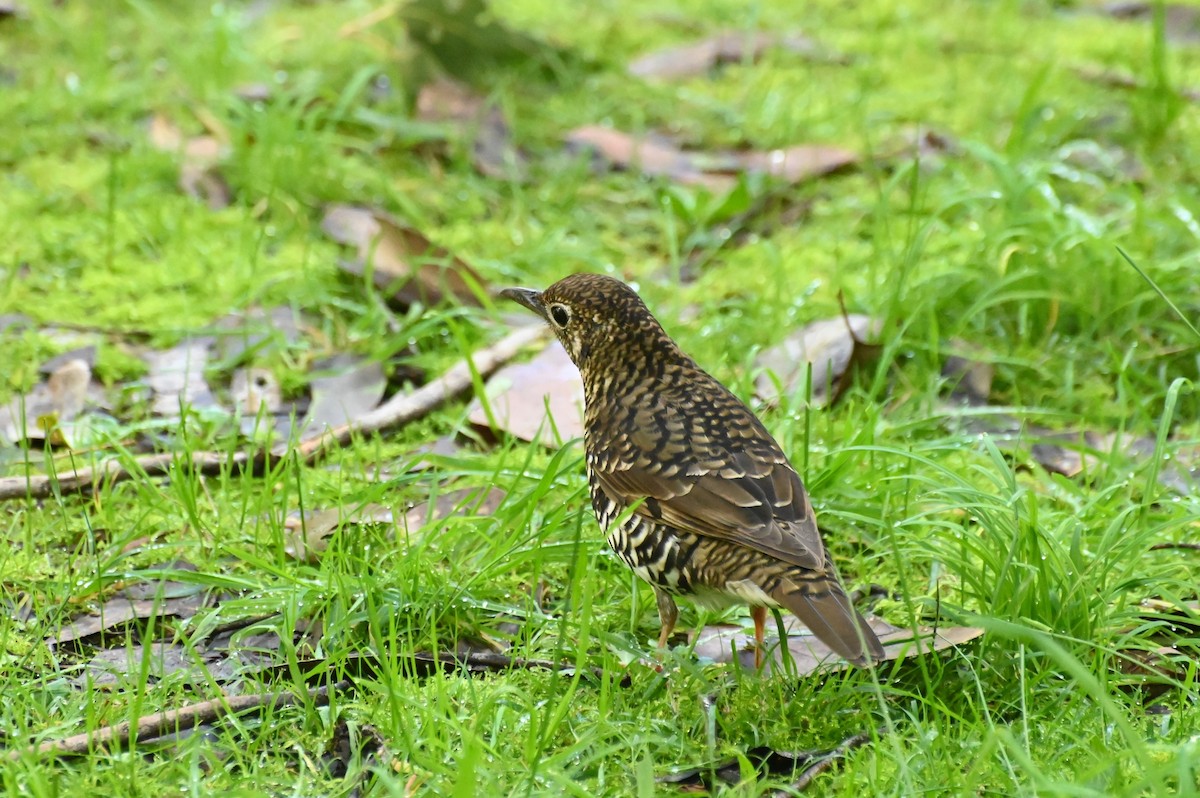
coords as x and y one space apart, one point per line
560 315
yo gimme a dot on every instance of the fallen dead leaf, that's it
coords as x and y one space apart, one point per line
726 47
830 346
798 164
243 335
46 412
969 380
349 388
1124 80
109 667
541 400
492 150
463 501
1181 23
199 156
716 171
176 380
307 537
403 263
120 610
725 643
650 156
255 390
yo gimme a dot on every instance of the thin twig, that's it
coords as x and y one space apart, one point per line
173 720
399 410
823 764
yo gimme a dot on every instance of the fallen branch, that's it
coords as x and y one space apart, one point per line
399 410
173 720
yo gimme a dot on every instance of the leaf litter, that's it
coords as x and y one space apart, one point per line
199 161
727 47
539 400
817 360
482 122
404 265
658 157
734 643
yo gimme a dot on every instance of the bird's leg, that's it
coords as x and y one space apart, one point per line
668 613
759 615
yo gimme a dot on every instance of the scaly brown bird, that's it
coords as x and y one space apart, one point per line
720 516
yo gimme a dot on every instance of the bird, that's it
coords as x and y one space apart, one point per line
691 490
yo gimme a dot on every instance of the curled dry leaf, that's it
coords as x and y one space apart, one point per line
255 390
1073 454
650 156
832 347
800 163
716 171
46 412
541 400
728 643
404 264
700 57
350 388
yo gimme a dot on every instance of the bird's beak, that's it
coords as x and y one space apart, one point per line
527 297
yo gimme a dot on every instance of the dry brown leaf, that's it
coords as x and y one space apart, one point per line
828 345
446 100
199 156
255 390
1181 23
404 264
727 47
716 171
110 666
800 163
518 395
492 150
351 388
46 412
122 609
306 538
175 377
650 156
463 501
1124 80
727 642
970 380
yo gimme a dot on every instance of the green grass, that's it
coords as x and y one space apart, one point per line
1013 244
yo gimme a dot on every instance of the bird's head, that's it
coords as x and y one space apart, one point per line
601 322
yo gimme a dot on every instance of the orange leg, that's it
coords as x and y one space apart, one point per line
759 614
668 614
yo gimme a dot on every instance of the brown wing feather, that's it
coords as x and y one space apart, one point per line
756 501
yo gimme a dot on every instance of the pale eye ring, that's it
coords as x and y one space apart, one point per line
560 315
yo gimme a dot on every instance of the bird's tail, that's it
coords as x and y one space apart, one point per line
824 607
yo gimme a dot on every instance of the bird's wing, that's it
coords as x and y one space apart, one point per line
755 500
